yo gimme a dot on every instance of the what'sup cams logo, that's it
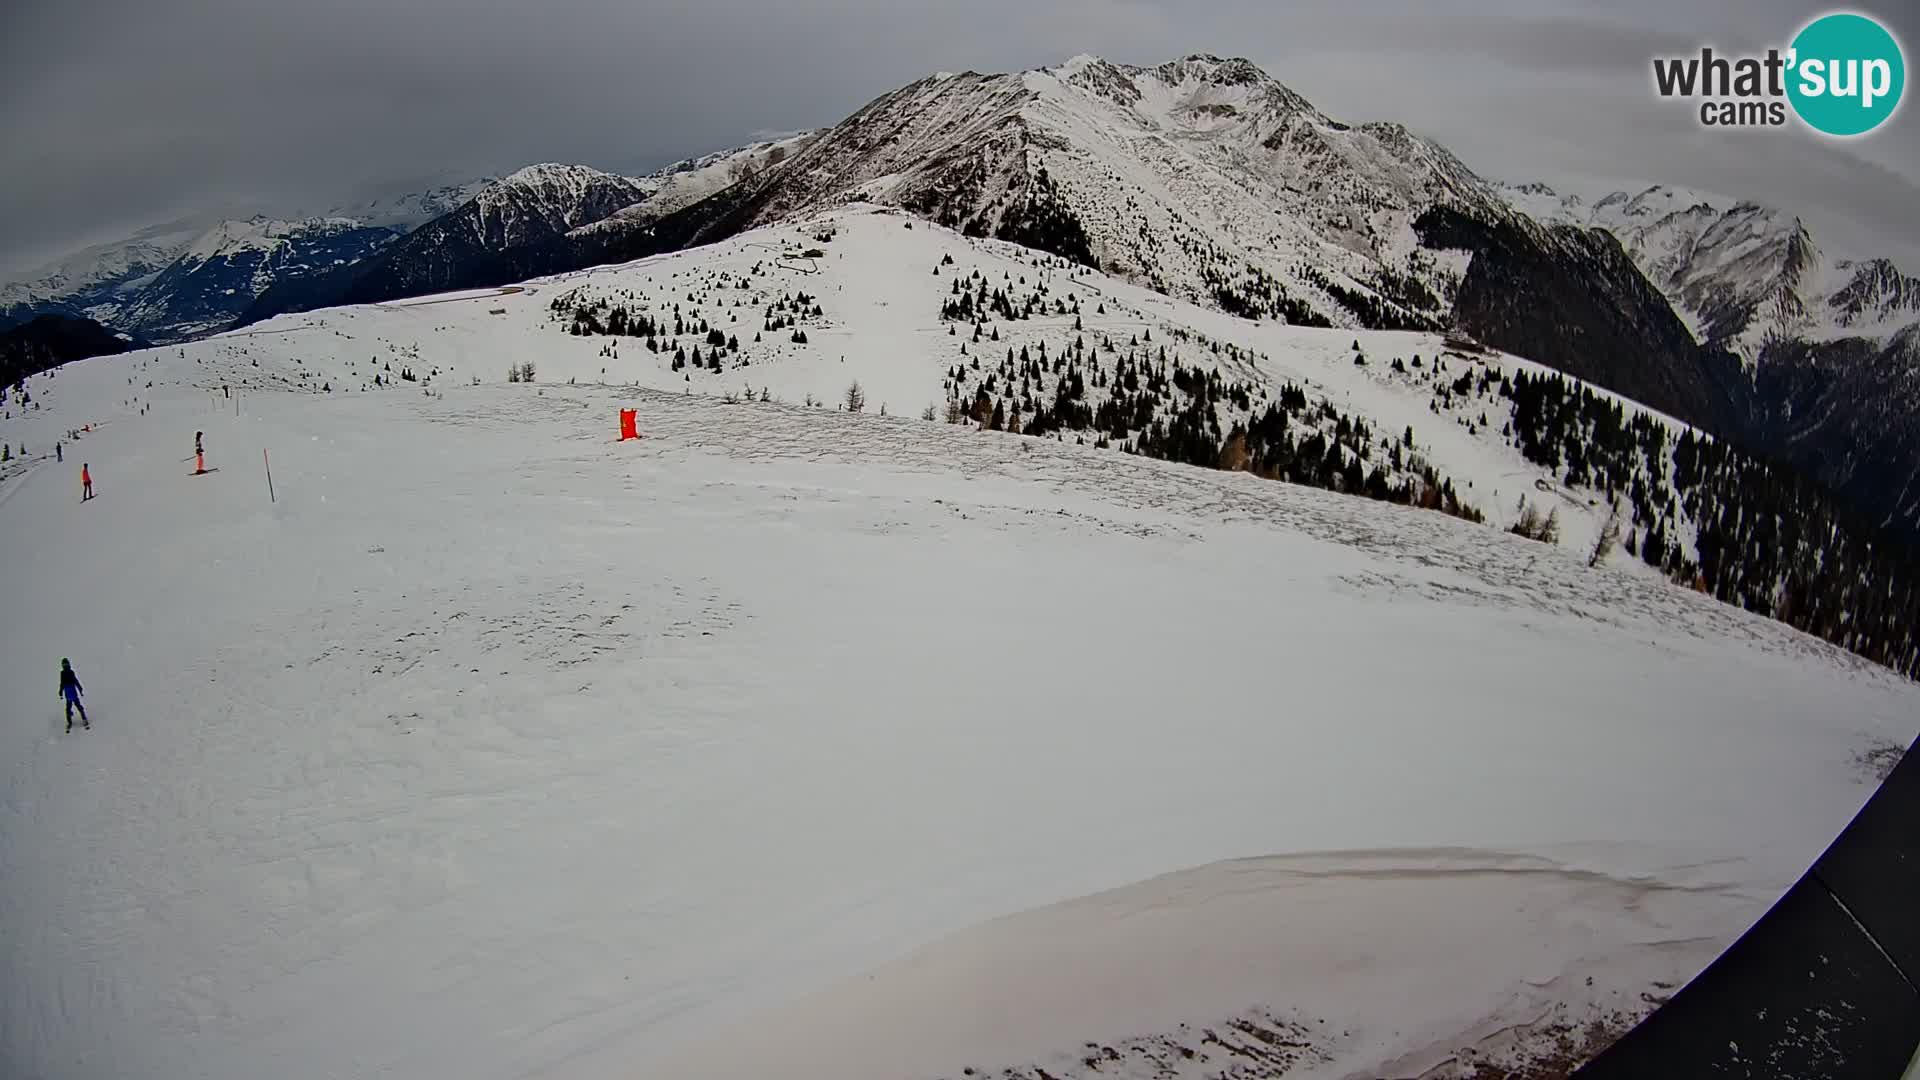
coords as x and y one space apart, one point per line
1843 75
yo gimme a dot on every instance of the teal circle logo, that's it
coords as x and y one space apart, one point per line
1847 74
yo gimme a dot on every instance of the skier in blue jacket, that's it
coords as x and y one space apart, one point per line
70 691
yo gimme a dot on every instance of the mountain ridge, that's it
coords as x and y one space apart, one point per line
48 341
1206 179
868 307
534 221
1828 376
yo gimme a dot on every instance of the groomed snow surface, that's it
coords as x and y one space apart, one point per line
789 743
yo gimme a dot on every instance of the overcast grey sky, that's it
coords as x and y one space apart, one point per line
116 114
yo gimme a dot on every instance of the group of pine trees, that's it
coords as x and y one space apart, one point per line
1765 537
1372 311
1340 453
1256 294
1154 404
618 322
973 299
1041 219
1397 302
786 313
588 315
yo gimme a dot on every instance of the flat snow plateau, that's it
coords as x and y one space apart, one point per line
790 743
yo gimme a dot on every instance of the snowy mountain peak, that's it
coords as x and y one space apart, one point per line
550 180
255 232
1202 175
262 234
87 277
554 181
1237 82
1096 76
228 266
1744 275
566 196
775 148
1666 199
174 282
1876 291
686 182
1205 67
1077 64
1200 90
408 210
553 172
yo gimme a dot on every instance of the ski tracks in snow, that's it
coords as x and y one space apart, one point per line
1454 561
590 745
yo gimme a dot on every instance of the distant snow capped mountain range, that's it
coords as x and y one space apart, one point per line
533 222
407 211
1205 179
191 277
206 287
1829 345
1744 275
188 279
1203 176
187 285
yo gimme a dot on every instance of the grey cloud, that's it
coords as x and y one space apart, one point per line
119 113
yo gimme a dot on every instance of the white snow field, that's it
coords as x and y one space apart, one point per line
791 743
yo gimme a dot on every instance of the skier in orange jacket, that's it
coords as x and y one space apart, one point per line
86 483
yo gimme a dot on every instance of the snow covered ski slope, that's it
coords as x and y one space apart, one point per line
494 748
875 285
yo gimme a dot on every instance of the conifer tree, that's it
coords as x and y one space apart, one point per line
1609 536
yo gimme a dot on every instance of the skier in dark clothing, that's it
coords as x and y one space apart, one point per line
70 691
